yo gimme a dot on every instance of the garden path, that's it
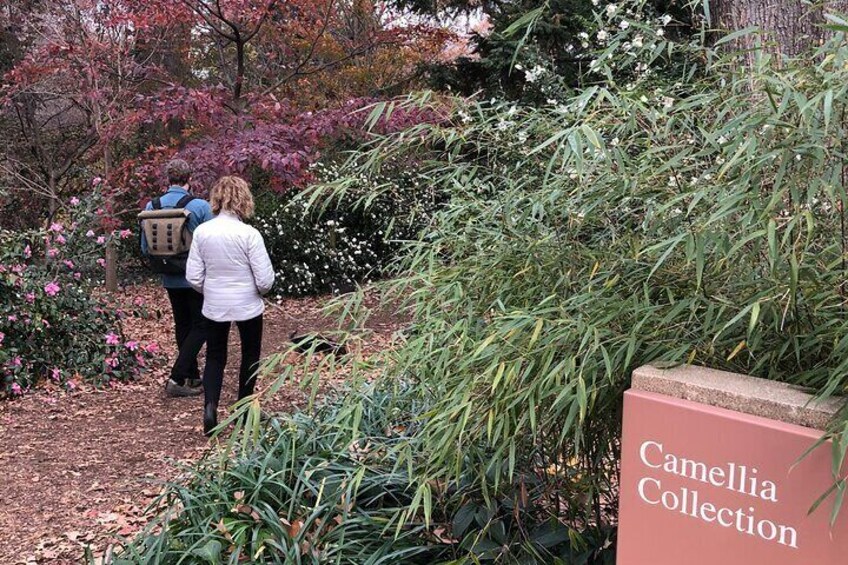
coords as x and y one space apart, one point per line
79 469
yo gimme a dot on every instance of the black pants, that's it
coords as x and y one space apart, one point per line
190 328
250 332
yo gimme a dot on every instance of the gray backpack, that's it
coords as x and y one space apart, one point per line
168 236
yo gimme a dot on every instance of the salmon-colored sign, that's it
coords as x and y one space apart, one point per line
708 486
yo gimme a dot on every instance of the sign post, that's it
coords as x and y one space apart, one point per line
710 473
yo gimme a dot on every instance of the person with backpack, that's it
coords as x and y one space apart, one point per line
167 227
229 264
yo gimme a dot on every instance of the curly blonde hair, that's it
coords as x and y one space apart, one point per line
233 195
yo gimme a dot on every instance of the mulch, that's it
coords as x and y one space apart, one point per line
79 469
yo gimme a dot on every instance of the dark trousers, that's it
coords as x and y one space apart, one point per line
190 327
250 332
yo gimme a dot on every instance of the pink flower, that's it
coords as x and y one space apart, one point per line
2 337
111 361
60 239
101 262
78 276
30 297
52 252
56 374
52 289
13 318
125 234
152 348
16 362
27 252
71 385
138 301
139 360
57 227
112 339
96 180
68 263
75 201
101 240
89 233
131 345
16 389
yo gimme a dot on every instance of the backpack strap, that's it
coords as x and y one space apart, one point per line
157 203
183 202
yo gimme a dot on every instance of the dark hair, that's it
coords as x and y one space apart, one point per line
178 171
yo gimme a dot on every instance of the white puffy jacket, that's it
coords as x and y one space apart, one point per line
229 264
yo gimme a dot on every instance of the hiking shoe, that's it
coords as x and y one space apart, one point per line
176 390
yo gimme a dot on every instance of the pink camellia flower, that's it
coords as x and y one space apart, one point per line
52 252
89 233
27 252
16 362
60 239
78 276
101 240
152 348
52 289
68 263
16 389
71 385
125 233
57 227
45 323
96 180
111 361
131 345
56 374
75 201
101 262
30 297
112 339
12 318
139 360
2 337
18 269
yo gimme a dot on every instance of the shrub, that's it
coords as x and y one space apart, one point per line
694 218
352 239
52 325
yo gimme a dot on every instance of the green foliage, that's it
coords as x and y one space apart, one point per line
353 238
304 491
689 218
540 51
52 326
694 218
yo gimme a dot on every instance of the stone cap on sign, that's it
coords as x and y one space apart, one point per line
749 395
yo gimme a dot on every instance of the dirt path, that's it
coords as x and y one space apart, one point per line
77 469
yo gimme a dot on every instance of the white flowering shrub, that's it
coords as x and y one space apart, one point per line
345 241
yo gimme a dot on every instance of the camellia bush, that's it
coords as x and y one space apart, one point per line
52 325
351 239
694 215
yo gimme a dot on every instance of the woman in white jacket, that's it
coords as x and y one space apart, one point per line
229 265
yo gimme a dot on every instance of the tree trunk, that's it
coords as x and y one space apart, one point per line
791 26
111 249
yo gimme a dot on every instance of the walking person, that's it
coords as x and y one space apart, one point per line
229 264
186 303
